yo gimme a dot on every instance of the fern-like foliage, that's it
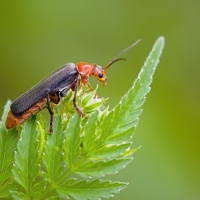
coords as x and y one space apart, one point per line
36 165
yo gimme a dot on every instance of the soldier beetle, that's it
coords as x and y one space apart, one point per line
54 87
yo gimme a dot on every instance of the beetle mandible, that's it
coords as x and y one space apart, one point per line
54 87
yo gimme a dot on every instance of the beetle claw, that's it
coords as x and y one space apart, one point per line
81 113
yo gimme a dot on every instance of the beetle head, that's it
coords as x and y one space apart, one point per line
100 74
87 69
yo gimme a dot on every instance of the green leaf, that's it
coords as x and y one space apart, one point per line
6 110
53 157
42 135
90 134
8 144
109 152
87 97
72 142
130 152
123 119
19 195
53 198
102 168
38 188
26 166
7 188
95 189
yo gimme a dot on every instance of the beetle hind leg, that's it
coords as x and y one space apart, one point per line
51 114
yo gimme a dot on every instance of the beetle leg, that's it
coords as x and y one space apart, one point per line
90 87
54 97
76 84
82 87
51 114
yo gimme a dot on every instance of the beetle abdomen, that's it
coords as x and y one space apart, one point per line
13 120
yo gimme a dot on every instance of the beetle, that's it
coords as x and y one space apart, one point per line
54 87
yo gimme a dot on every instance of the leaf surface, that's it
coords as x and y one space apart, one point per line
53 156
82 190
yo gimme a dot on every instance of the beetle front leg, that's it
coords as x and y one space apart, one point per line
51 114
91 89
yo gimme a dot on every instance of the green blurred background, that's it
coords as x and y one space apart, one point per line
37 37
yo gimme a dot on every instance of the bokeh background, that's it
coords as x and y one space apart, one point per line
36 37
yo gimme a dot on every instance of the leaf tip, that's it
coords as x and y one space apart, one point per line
161 40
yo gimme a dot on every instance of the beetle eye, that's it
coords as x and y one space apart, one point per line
100 75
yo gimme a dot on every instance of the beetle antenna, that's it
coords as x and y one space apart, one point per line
116 58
